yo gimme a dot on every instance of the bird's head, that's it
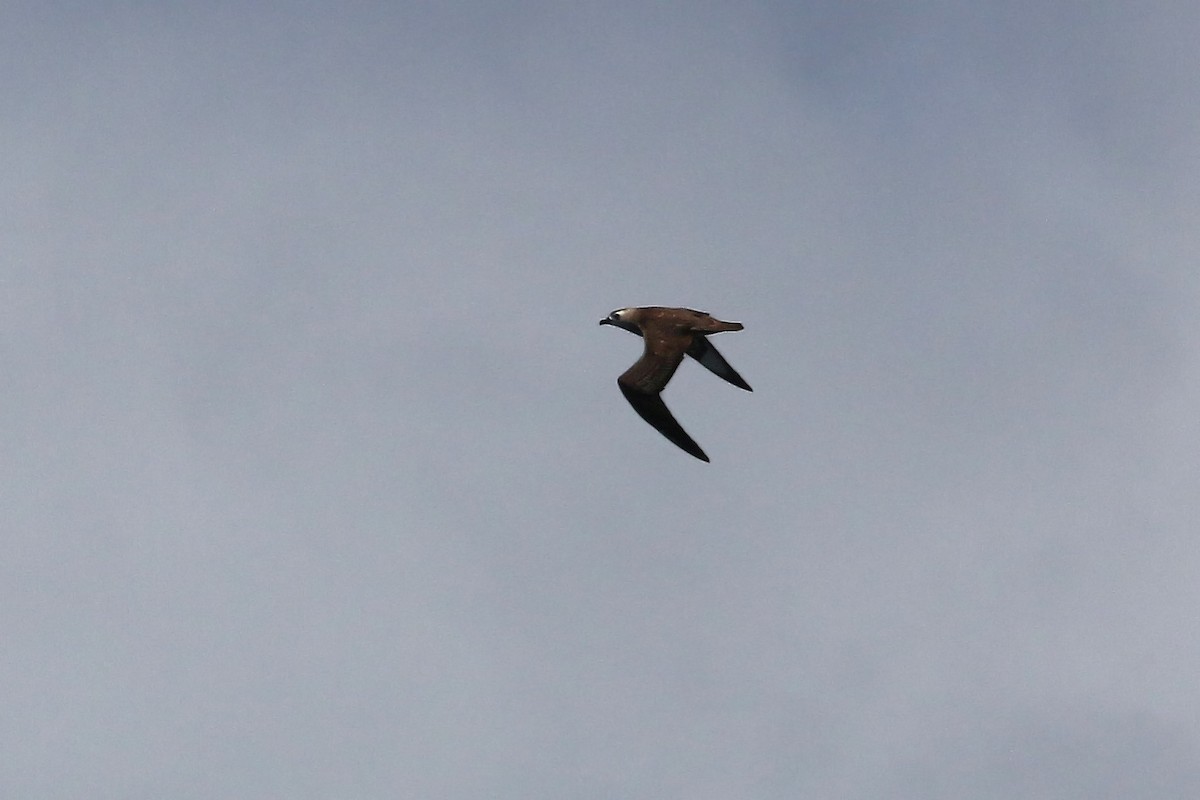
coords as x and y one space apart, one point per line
622 318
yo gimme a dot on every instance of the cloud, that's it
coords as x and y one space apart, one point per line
317 481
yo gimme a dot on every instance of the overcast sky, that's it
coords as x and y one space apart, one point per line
315 482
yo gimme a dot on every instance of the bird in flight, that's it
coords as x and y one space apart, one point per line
670 333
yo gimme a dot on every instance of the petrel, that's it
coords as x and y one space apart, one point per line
669 334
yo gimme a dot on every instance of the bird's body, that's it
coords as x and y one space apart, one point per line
670 334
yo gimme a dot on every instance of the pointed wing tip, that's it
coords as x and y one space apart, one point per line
734 378
651 408
690 447
703 351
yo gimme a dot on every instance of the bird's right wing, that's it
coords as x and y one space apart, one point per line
650 407
660 358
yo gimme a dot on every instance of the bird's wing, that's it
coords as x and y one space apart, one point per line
702 350
660 358
650 407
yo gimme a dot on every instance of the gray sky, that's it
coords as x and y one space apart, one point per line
316 482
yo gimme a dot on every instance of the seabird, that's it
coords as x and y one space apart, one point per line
670 333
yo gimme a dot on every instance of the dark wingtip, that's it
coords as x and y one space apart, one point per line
651 408
691 448
736 379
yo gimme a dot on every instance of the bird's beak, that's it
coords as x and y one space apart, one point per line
606 321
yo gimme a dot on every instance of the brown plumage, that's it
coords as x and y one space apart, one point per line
670 333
